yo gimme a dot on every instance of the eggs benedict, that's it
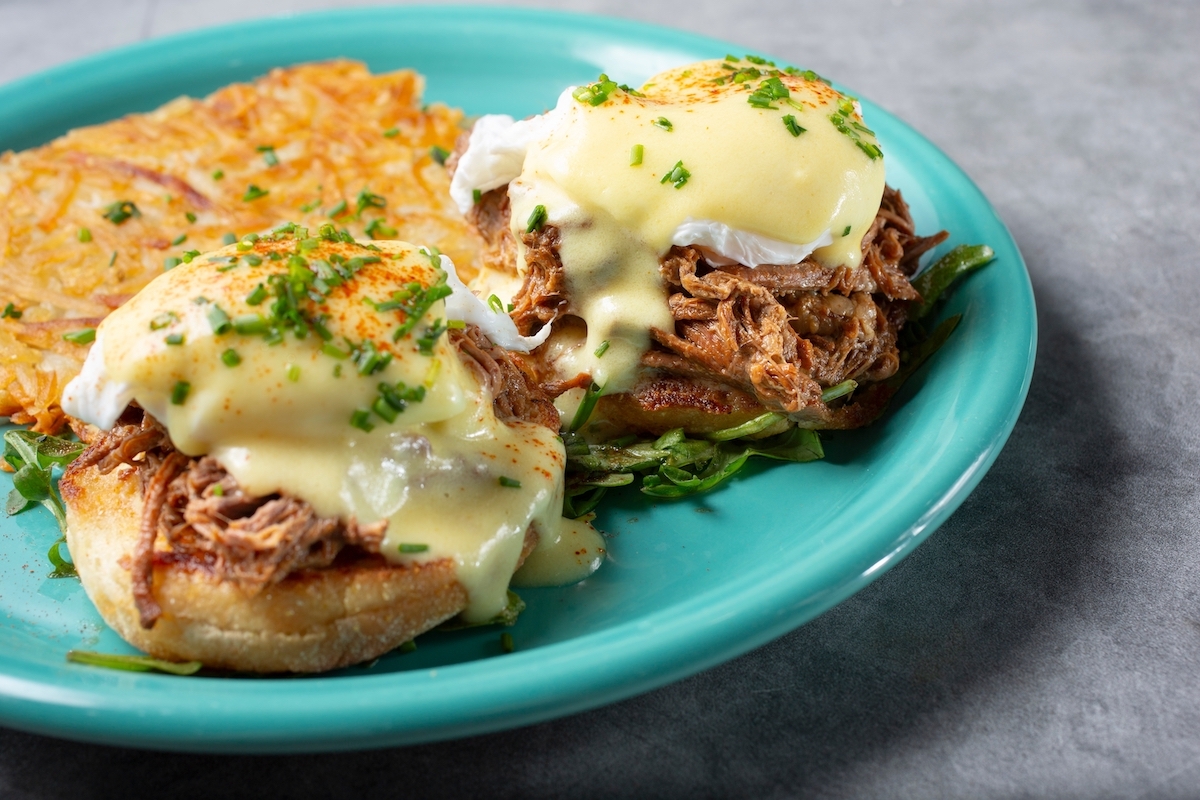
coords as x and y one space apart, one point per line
714 245
307 451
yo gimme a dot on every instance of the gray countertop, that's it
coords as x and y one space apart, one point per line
1045 642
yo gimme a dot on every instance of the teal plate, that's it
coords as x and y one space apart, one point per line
689 584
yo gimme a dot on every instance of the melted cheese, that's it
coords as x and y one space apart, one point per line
280 419
755 192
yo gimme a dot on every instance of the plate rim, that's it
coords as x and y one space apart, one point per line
681 643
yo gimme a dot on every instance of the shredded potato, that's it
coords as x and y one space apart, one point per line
326 143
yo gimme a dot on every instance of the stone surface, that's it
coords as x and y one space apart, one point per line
1046 641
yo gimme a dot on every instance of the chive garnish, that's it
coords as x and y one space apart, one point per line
190 217
361 419
586 406
218 174
250 324
847 231
229 238
81 336
413 548
536 219
506 642
190 256
253 259
230 358
379 230
257 296
509 483
602 349
635 155
268 154
11 312
366 199
839 390
218 490
293 372
219 320
664 123
439 154
113 260
595 94
337 210
178 240
85 235
476 196
179 393
253 192
120 211
163 320
678 175
174 339
495 304
171 262
793 127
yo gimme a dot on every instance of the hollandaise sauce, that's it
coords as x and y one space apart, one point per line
320 367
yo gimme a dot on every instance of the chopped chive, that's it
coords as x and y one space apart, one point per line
117 213
218 174
846 232
171 262
476 196
635 155
218 490
536 219
378 230
190 256
367 199
268 154
190 217
361 419
174 339
257 296
793 127
439 154
664 123
219 320
602 349
334 352
113 260
81 336
85 235
179 393
230 358
337 210
413 548
506 642
229 238
456 324
11 312
586 406
252 259
495 304
163 320
293 372
392 133
253 193
250 324
509 483
678 175
178 240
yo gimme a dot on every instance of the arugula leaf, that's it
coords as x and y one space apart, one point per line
133 663
34 456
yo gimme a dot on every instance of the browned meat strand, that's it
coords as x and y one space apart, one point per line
208 522
781 333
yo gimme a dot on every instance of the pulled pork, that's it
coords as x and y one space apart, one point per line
209 523
781 333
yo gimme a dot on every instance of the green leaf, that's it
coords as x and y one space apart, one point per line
507 616
133 663
41 447
16 503
959 262
33 482
913 357
749 428
62 567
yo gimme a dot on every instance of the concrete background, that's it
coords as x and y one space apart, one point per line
1046 641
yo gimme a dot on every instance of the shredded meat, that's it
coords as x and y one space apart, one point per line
208 522
780 332
515 393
